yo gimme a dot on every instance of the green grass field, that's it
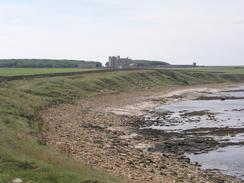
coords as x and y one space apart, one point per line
35 71
23 153
227 70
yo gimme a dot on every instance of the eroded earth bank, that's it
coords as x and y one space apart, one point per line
118 133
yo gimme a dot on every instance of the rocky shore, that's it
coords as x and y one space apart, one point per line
102 131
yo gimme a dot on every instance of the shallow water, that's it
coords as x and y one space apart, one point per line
222 114
228 113
228 160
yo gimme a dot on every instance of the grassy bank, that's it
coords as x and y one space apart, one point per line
23 152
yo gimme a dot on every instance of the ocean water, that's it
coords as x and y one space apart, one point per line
218 114
228 160
227 113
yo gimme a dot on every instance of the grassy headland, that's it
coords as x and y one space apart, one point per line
23 152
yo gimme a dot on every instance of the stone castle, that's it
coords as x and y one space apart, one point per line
118 62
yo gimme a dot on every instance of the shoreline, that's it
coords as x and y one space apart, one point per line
99 131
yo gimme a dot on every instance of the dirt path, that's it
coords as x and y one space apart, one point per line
97 131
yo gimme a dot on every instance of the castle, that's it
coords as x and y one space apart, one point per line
118 62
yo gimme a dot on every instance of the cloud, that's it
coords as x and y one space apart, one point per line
239 20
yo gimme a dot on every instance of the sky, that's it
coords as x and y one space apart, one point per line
209 32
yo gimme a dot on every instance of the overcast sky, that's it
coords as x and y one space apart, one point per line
210 32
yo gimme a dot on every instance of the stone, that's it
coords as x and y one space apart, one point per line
17 180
